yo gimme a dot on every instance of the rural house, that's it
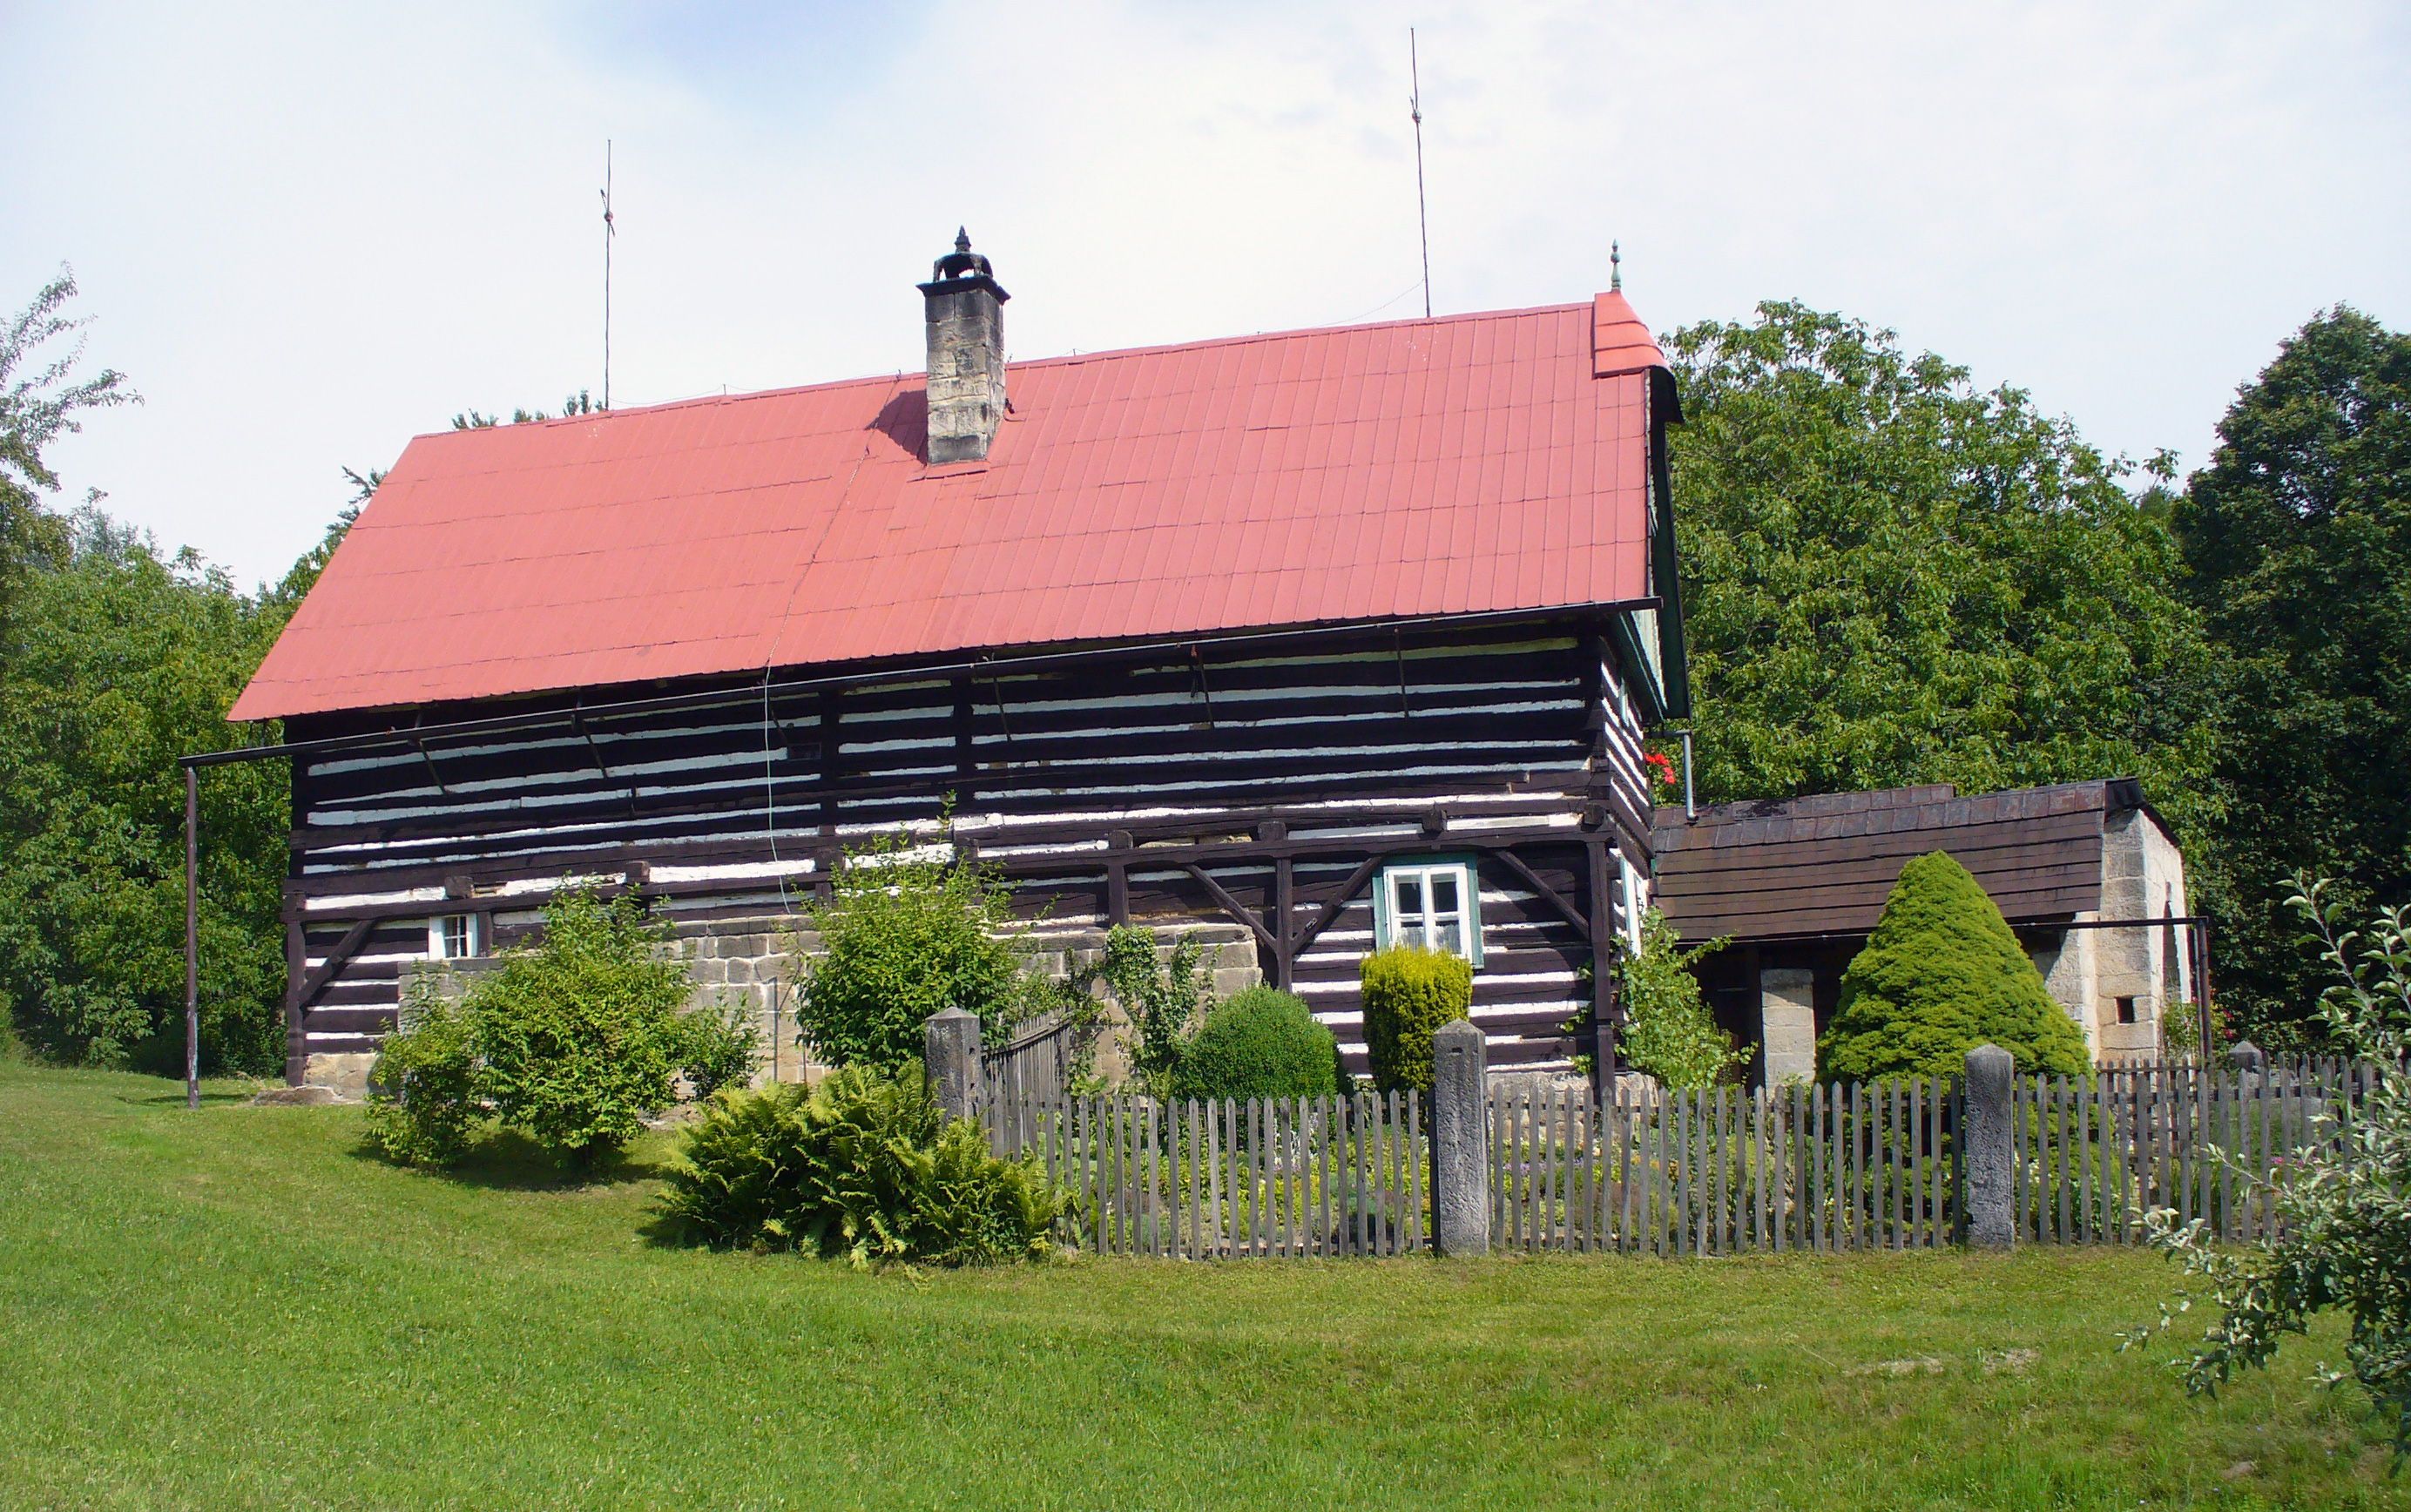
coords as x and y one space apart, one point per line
1327 638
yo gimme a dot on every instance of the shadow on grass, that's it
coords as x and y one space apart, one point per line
507 1160
175 1098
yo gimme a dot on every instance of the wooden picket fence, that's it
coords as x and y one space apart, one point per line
1035 1066
1722 1172
1216 1179
2090 1159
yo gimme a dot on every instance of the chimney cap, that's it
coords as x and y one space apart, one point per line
963 269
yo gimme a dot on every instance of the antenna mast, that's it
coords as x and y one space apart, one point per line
608 232
1415 107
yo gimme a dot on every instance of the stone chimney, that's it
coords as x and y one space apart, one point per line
964 308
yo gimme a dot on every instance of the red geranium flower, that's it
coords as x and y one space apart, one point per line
1661 766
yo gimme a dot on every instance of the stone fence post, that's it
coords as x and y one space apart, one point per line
951 1040
1460 1139
1985 1133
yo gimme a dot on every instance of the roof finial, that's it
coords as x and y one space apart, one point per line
1615 267
962 240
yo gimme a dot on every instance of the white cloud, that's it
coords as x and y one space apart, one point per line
310 232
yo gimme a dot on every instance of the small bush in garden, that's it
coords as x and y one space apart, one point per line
904 935
424 1098
1409 992
2343 1227
1940 975
740 1181
868 1166
1667 1032
722 1049
580 1033
1258 1043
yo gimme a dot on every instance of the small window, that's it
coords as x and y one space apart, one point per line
452 936
2127 1010
1434 902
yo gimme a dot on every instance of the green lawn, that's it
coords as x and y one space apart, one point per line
239 1307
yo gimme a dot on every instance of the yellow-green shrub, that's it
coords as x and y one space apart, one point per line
1409 992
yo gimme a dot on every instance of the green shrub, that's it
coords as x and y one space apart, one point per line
722 1049
572 1040
1667 1031
739 1185
2339 1242
424 1098
1258 1043
901 937
867 1165
1941 975
1161 993
580 1033
1409 992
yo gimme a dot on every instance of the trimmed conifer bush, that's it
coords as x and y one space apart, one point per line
1941 975
1258 1043
1409 992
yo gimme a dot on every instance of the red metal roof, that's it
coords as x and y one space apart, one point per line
1473 463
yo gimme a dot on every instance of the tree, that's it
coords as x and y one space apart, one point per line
115 660
1940 975
1890 577
2341 1241
908 929
2297 535
122 661
38 402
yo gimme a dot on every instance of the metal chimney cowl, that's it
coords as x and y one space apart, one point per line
963 307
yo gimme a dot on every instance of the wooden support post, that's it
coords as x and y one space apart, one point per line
192 937
296 965
828 765
966 767
1276 831
1117 880
1284 954
1603 1003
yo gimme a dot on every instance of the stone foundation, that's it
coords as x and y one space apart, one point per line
752 963
346 1076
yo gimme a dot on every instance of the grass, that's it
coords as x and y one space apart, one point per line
239 1307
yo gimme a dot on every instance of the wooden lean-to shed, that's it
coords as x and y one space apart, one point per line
1322 638
2085 874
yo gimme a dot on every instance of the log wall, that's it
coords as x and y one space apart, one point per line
1249 781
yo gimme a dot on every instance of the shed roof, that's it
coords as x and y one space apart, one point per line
1472 463
1823 865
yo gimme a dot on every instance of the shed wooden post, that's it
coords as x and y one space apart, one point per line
192 937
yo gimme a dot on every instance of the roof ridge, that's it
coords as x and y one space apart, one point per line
1066 360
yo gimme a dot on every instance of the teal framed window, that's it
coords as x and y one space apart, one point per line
1434 901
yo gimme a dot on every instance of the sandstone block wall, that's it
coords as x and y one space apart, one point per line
753 963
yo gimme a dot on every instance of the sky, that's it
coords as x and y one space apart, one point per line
307 233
